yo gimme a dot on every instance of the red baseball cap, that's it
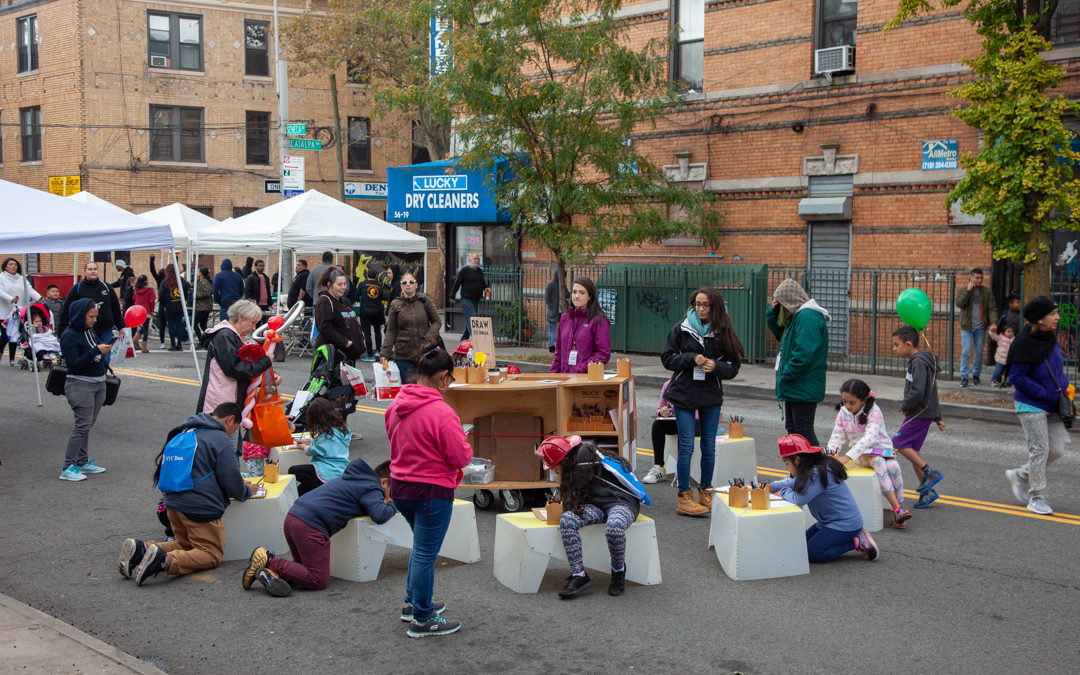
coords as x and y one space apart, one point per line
795 444
463 347
554 449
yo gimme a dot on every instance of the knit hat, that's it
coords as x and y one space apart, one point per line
1038 308
791 295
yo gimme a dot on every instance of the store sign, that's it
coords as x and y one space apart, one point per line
940 154
438 49
65 185
355 190
442 192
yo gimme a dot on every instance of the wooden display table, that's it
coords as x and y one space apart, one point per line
258 522
762 544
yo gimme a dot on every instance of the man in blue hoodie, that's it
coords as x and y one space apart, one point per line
87 357
313 519
198 474
228 287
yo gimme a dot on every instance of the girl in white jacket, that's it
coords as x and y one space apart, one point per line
861 424
13 294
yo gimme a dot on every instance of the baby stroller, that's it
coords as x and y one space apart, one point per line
38 342
326 382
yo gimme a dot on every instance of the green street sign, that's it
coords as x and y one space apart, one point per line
305 144
296 129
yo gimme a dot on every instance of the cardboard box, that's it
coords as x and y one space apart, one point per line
515 437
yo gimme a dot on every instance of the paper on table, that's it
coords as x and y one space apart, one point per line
779 502
722 488
547 381
608 376
454 385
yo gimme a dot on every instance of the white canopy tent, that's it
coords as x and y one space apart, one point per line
38 222
185 223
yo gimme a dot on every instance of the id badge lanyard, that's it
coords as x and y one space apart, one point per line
571 358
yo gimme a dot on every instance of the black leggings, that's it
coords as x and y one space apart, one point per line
662 428
12 346
799 419
306 478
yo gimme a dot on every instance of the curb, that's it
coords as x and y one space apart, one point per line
85 641
757 392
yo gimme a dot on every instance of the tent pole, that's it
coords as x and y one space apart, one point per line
75 268
26 299
280 274
183 306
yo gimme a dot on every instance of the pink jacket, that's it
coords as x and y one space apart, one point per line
427 443
871 438
1002 354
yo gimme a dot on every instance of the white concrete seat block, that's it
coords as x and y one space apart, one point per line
737 457
258 522
758 544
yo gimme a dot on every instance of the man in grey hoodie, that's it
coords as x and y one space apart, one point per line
198 474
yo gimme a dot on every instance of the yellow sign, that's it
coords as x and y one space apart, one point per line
65 185
483 338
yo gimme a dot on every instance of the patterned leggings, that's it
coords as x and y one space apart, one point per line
618 518
889 476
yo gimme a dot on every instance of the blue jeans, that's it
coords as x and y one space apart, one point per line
999 369
553 328
468 308
405 369
969 339
429 520
177 332
684 419
824 544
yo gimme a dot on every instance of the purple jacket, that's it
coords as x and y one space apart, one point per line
591 339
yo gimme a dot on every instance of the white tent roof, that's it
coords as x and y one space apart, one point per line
38 222
85 197
185 222
310 222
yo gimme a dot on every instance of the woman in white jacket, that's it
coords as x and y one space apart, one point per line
13 292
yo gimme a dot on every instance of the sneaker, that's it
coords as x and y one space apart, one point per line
406 610
90 467
72 473
655 475
901 516
131 554
152 564
926 499
618 583
1039 505
162 346
436 625
995 384
1019 485
963 383
866 545
259 558
975 381
274 585
368 359
575 586
930 478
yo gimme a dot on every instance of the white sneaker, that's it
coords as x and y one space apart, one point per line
1039 505
72 473
655 475
1019 485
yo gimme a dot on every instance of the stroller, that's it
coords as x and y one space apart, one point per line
37 341
326 382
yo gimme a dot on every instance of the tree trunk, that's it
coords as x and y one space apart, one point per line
560 262
1037 271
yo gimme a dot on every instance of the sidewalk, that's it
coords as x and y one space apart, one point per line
34 642
757 381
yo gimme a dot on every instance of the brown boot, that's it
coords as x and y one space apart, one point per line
688 507
143 348
705 498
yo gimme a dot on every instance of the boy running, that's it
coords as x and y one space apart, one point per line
920 408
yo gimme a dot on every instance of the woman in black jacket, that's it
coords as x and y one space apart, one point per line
701 351
87 358
335 319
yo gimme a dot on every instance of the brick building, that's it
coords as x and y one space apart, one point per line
152 103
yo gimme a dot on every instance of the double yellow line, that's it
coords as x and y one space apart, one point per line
992 507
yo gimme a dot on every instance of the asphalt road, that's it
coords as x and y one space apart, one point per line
981 587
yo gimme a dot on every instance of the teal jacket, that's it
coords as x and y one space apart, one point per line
804 348
330 453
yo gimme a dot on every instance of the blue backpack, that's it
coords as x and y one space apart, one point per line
176 461
628 481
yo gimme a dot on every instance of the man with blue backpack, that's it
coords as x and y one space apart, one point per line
198 474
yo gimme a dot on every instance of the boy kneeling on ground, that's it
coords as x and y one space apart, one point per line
314 518
198 474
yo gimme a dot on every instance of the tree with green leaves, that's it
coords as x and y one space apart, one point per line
1022 178
556 87
384 46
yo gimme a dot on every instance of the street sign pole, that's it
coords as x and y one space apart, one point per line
283 103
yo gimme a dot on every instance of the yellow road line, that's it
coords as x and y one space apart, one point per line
965 502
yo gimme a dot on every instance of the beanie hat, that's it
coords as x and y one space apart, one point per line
1038 308
791 295
120 263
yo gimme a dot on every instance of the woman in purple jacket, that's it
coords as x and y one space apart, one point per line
583 335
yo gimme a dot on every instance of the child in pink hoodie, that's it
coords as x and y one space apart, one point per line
1004 341
428 449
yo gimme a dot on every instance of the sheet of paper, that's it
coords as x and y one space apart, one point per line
454 385
548 381
608 376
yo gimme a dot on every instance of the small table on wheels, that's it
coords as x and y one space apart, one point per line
258 522
762 544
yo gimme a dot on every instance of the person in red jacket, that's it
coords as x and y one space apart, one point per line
428 450
145 297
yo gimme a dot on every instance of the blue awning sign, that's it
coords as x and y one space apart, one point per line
443 192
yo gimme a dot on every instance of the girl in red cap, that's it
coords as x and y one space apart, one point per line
818 482
595 488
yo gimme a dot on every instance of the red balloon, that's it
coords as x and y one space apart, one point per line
135 316
250 353
271 335
275 322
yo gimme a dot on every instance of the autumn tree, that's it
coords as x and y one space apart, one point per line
1022 178
555 87
384 45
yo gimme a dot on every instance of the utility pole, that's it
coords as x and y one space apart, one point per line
282 82
337 137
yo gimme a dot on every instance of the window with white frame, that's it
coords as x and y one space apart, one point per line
688 61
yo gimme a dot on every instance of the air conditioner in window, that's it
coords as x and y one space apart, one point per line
834 59
159 62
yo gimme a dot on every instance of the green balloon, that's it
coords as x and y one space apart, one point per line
913 306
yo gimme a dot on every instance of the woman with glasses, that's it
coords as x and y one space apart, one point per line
411 325
583 334
700 351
